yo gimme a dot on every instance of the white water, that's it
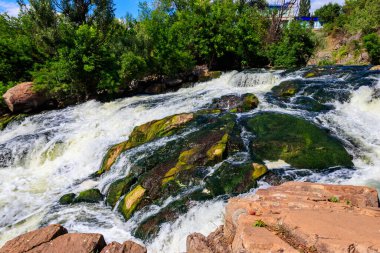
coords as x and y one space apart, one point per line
55 152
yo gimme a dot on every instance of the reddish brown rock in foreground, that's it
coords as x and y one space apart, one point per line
28 241
55 239
126 247
298 216
22 98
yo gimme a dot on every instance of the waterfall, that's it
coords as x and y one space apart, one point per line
54 152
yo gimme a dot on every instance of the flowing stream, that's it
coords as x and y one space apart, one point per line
52 153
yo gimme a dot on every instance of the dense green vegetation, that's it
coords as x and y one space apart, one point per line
354 17
75 50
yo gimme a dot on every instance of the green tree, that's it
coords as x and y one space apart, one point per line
304 8
329 12
372 44
295 47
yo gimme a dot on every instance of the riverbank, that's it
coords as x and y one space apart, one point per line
292 217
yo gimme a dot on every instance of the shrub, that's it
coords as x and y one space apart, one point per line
372 44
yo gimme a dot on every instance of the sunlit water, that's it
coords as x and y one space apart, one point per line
52 153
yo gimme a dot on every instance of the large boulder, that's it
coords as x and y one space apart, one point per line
22 98
28 241
298 217
296 141
75 242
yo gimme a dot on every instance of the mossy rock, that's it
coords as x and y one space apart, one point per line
129 203
150 227
89 196
296 141
231 179
310 104
67 199
6 119
235 103
118 189
259 170
145 133
287 88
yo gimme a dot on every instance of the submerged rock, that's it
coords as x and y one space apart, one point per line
234 103
296 141
8 118
287 88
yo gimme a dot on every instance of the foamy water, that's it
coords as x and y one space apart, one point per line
53 153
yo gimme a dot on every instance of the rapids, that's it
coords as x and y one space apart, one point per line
55 152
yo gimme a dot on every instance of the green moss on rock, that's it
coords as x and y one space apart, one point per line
287 88
89 196
146 133
259 170
296 141
67 199
131 200
7 118
231 179
118 189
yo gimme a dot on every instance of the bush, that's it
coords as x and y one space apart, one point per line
372 44
295 47
328 13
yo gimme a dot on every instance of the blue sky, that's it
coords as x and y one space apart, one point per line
131 6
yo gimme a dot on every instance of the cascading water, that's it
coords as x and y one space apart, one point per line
52 153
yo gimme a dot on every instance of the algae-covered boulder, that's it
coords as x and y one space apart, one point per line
118 189
287 88
131 200
89 196
67 199
146 133
235 103
231 179
296 141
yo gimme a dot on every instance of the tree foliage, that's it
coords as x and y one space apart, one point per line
76 49
304 9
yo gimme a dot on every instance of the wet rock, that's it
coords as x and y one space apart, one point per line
118 189
33 239
231 179
235 103
126 247
8 118
296 141
75 242
89 196
131 200
146 133
310 104
376 67
287 88
67 199
22 98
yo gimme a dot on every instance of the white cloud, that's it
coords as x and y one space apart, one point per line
11 8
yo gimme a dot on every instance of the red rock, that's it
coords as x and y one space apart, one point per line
22 98
28 241
132 247
126 247
197 243
75 242
299 216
